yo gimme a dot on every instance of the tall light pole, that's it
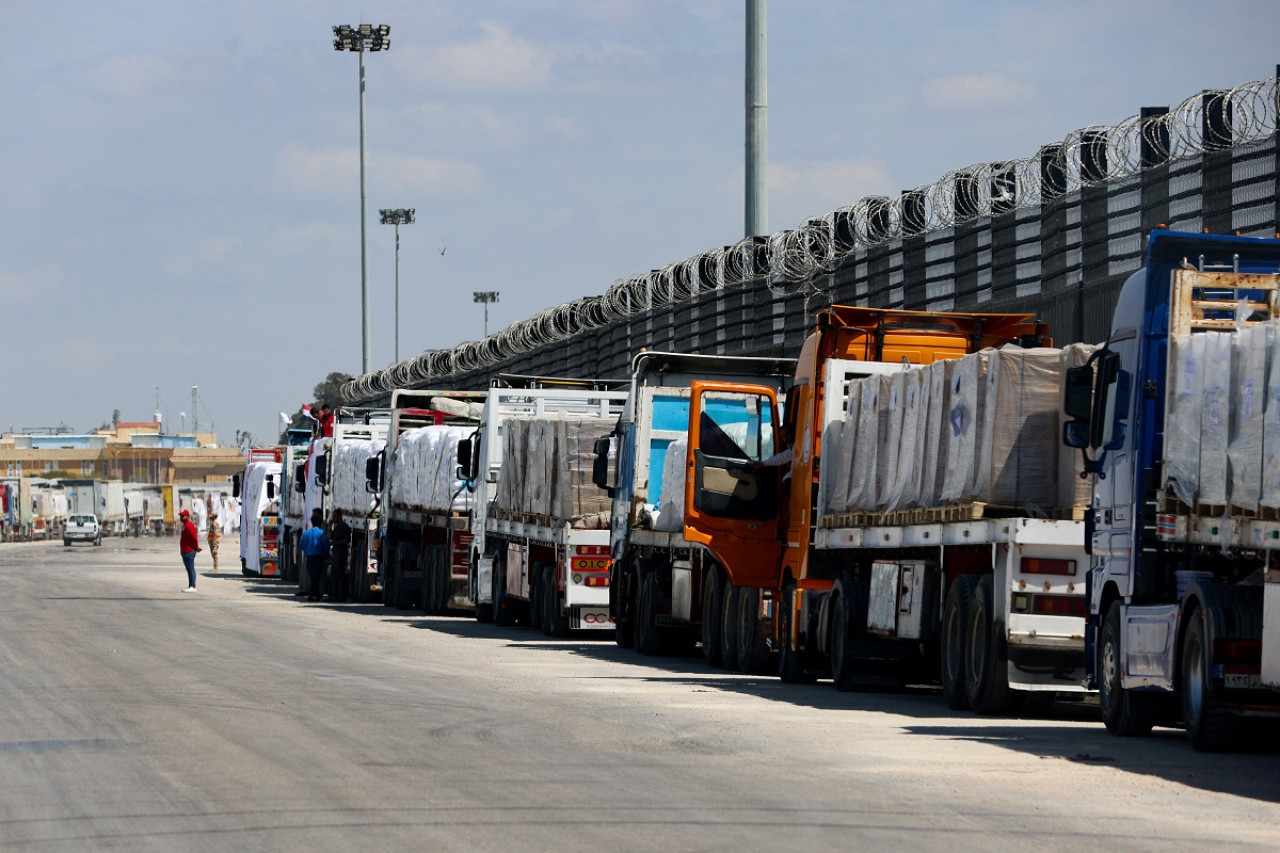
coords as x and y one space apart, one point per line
359 39
486 296
757 144
399 216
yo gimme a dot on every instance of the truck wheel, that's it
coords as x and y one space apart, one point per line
712 613
729 625
649 640
537 596
1125 712
430 581
555 619
1209 728
955 621
504 607
753 653
790 660
622 606
986 670
843 663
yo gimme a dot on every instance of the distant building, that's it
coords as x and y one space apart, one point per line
135 452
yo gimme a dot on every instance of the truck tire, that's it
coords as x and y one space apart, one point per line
729 625
555 619
650 639
955 622
622 605
986 669
843 610
1125 713
504 607
753 652
712 614
1209 728
791 667
537 600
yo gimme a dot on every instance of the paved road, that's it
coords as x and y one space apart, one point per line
136 717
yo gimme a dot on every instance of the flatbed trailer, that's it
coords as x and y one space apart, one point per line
549 570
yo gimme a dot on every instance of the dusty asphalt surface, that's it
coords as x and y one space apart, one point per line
136 717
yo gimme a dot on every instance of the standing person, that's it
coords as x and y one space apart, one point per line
340 540
315 547
215 538
189 546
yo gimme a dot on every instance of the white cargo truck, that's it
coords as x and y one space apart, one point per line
540 527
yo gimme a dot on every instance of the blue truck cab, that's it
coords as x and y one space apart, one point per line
1176 420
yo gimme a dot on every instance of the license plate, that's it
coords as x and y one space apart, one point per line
1242 680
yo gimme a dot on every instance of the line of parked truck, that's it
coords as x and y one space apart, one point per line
916 496
85 510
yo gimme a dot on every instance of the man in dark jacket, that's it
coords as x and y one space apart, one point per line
189 546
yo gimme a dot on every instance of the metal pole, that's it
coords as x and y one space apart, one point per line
486 319
757 142
397 361
364 239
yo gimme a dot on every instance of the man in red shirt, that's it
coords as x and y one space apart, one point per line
189 545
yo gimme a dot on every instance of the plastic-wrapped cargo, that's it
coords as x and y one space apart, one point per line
423 472
1018 443
1248 398
934 436
1271 426
1073 490
348 485
835 450
551 474
1182 418
872 413
890 443
573 494
670 516
900 444
964 411
1215 417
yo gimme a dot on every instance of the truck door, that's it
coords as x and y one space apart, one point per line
732 480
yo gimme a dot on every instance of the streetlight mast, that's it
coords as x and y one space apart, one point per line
397 217
487 297
360 39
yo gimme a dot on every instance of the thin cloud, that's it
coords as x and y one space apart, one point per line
25 285
496 62
130 75
975 91
437 176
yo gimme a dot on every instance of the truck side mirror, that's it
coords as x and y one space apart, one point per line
271 487
600 466
322 469
300 478
469 458
235 486
373 473
1076 434
1077 393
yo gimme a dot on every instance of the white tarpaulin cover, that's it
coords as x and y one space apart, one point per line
422 474
984 427
349 490
1222 424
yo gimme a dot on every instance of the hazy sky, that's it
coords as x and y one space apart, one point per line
179 180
